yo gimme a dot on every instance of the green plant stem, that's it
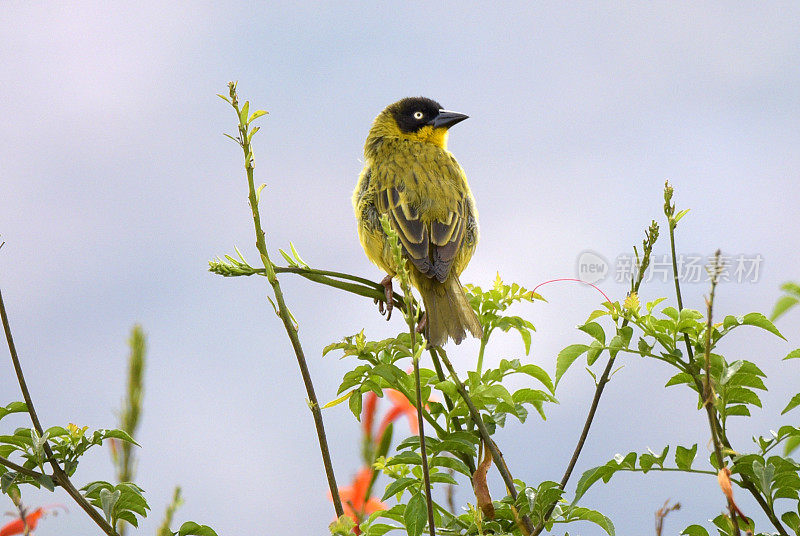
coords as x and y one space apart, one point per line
708 395
713 422
437 365
59 476
484 341
283 311
18 468
497 456
352 283
650 238
423 451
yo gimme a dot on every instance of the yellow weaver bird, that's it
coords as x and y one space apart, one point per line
411 176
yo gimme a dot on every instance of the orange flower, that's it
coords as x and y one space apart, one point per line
400 406
368 415
17 526
354 498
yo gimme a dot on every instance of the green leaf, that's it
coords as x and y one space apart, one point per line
256 115
783 304
791 444
397 486
451 463
539 373
566 357
761 321
13 407
415 515
107 501
685 457
46 482
794 354
355 403
578 513
793 520
339 400
190 528
695 530
591 476
595 330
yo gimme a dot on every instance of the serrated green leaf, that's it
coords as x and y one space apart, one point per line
355 403
575 513
783 305
397 486
190 528
591 476
255 115
595 330
451 463
566 357
793 403
415 515
694 530
761 321
13 407
539 373
685 457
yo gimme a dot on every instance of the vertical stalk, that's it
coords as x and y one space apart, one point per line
651 235
59 476
526 526
708 394
423 452
244 141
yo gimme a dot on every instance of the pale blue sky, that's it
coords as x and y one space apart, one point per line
116 188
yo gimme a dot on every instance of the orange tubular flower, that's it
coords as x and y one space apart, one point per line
368 415
17 526
354 498
400 407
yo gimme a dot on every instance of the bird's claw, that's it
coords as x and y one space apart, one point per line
388 293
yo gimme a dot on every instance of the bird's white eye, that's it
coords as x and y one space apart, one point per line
418 115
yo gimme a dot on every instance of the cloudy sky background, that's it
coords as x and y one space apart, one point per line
117 187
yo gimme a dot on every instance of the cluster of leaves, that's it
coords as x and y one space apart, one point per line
453 451
680 338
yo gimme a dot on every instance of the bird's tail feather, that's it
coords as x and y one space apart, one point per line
449 314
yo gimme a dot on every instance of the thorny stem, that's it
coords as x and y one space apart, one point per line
526 526
59 476
283 311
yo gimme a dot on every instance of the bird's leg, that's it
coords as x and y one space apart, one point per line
423 322
388 292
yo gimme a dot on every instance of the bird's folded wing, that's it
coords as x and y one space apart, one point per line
431 248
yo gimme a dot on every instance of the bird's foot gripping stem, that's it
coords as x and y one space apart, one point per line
388 292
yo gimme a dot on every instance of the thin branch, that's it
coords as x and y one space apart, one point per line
244 141
59 476
422 449
18 468
527 526
651 235
708 394
437 365
713 422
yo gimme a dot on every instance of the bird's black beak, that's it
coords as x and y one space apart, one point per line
447 119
